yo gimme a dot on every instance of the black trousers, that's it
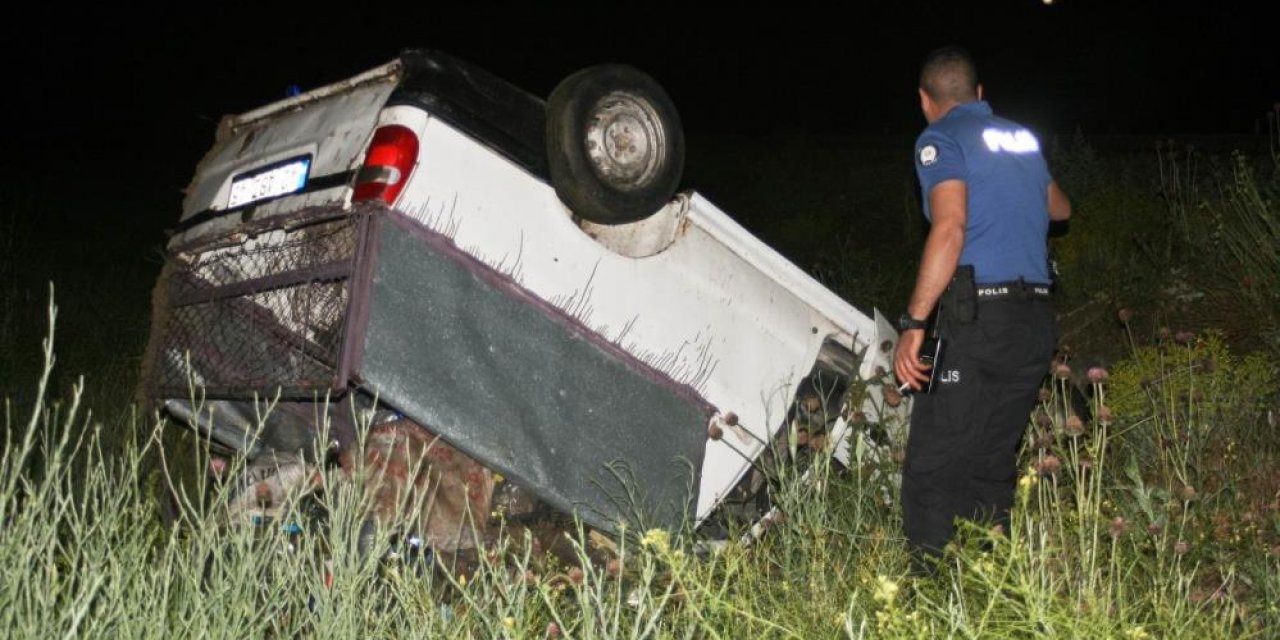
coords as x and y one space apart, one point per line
963 444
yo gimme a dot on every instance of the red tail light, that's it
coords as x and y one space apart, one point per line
387 164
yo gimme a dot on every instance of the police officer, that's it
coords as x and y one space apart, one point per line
989 197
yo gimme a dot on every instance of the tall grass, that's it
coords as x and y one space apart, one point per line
1223 249
1159 516
1107 541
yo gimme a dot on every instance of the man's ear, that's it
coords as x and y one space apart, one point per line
979 91
925 103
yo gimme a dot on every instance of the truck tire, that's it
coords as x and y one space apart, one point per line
615 148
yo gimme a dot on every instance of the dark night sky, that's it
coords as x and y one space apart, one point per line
130 100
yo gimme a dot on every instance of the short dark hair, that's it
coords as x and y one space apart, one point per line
948 74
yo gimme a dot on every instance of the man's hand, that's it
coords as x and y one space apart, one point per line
906 360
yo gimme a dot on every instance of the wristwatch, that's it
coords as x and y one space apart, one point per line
907 323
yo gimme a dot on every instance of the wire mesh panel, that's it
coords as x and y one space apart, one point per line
255 313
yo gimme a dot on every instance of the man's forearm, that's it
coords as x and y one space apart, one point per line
941 255
1059 204
949 201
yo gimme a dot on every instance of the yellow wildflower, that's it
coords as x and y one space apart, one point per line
1026 482
659 539
886 590
985 566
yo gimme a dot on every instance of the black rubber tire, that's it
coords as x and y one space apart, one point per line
588 193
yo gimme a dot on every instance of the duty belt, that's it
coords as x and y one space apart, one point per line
1012 290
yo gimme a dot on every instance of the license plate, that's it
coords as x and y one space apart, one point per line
279 179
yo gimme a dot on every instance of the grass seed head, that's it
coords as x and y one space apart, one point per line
1044 439
1104 415
1043 420
892 397
1086 466
1074 426
1118 527
1048 465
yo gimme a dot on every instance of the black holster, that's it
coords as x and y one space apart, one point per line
960 299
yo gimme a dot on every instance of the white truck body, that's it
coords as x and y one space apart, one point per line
688 291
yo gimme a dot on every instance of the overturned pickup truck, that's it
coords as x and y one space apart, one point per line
517 280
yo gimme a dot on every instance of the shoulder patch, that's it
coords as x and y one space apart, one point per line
928 155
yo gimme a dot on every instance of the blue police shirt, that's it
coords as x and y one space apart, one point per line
1008 184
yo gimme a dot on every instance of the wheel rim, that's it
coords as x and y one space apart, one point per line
625 141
